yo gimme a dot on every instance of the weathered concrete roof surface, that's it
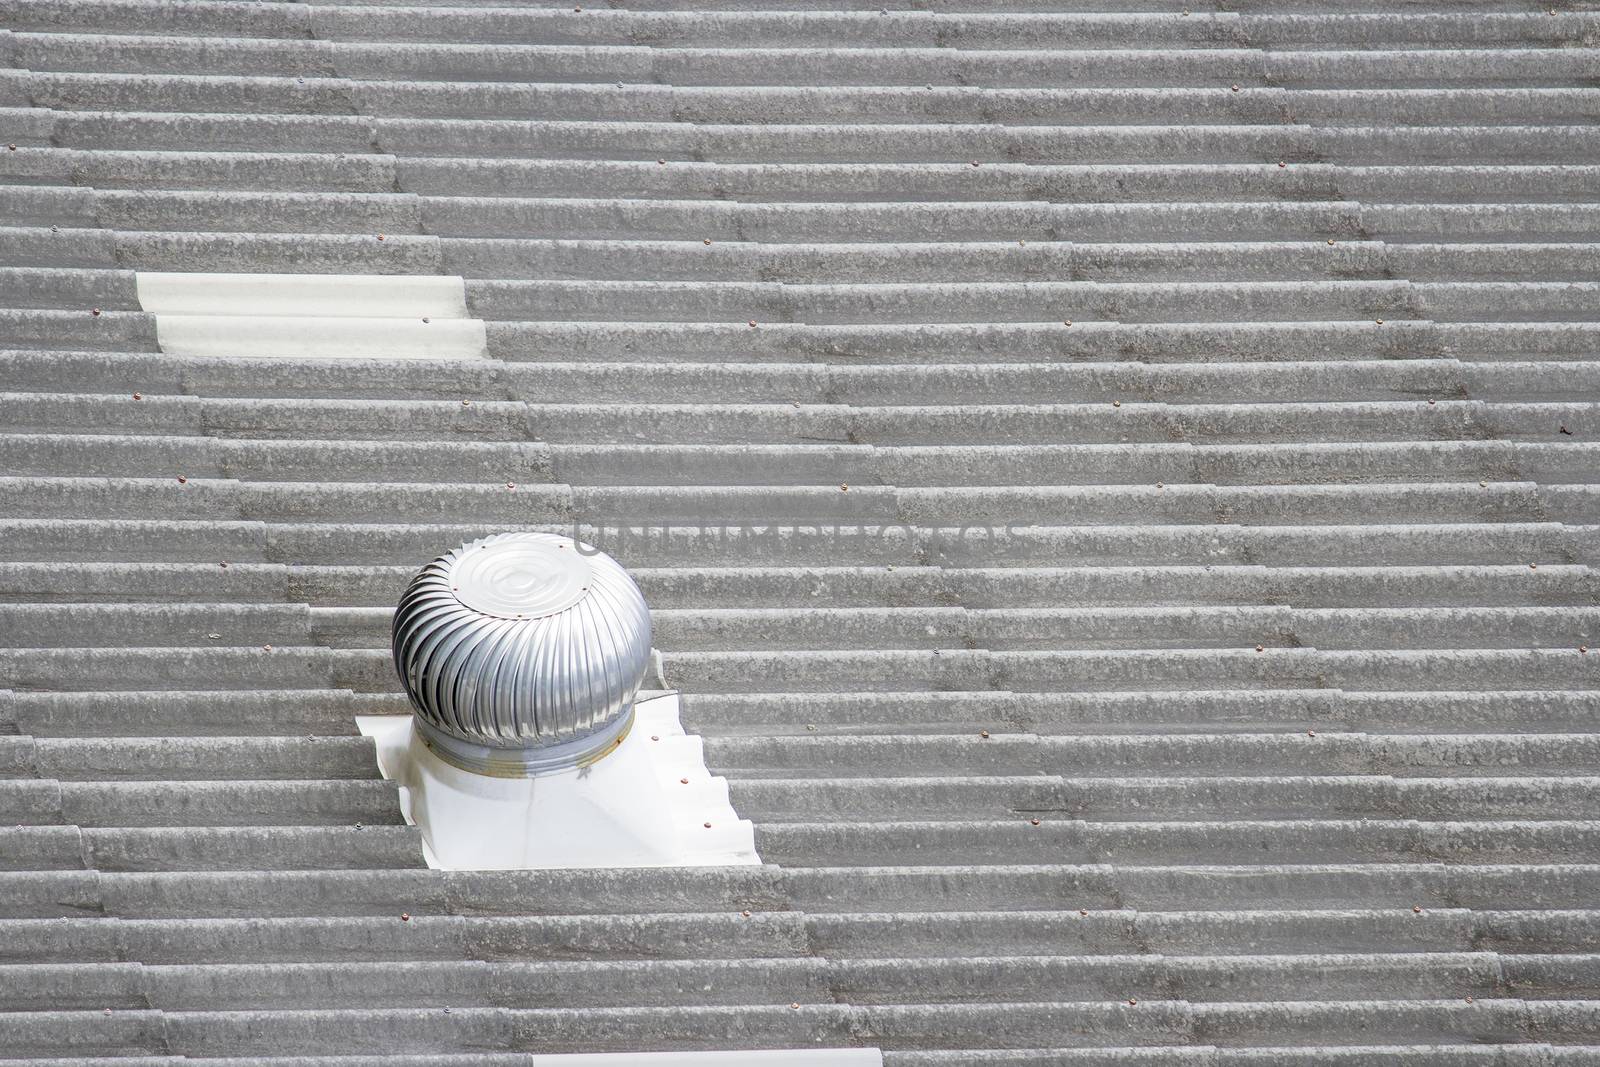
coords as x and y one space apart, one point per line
1268 607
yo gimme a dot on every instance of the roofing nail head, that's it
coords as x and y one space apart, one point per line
11 147
1066 322
975 163
655 737
95 312
1034 822
752 324
405 916
844 487
182 480
1116 403
706 241
1533 566
983 734
1083 912
1260 648
138 396
1132 1001
1483 485
1416 909
1282 164
1235 88
1378 321
1330 242
1311 733
511 485
381 237
795 1007
707 825
1584 649
424 318
662 162
266 648
224 564
811 727
745 913
1469 1000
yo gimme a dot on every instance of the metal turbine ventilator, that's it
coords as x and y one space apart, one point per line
522 653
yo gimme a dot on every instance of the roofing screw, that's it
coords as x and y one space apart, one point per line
182 480
405 916
138 396
983 734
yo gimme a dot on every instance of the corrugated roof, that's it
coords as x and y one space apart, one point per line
1205 676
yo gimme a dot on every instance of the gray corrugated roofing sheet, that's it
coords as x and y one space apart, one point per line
1202 677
